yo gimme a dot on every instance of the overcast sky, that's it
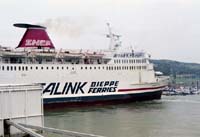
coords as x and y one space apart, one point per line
167 29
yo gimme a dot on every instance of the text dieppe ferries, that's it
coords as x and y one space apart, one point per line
55 88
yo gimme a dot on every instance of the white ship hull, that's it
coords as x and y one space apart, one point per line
79 77
78 84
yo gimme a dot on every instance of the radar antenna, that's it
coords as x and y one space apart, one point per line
114 39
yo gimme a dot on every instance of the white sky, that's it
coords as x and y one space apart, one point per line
167 29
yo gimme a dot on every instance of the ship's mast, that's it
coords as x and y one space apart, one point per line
114 39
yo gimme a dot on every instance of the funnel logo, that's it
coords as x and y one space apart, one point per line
33 42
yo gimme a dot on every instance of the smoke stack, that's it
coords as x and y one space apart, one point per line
34 37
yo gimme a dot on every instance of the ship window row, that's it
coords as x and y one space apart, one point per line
118 61
25 68
126 68
14 68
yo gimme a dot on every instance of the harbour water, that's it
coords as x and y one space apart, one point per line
172 116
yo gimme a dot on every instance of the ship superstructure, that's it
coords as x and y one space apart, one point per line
79 76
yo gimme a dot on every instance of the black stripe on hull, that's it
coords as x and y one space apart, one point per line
53 103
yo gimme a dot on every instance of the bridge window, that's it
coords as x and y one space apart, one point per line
144 60
2 67
47 67
144 67
52 68
8 68
26 68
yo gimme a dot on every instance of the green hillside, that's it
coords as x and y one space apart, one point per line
169 67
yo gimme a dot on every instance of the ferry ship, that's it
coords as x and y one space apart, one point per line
80 77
